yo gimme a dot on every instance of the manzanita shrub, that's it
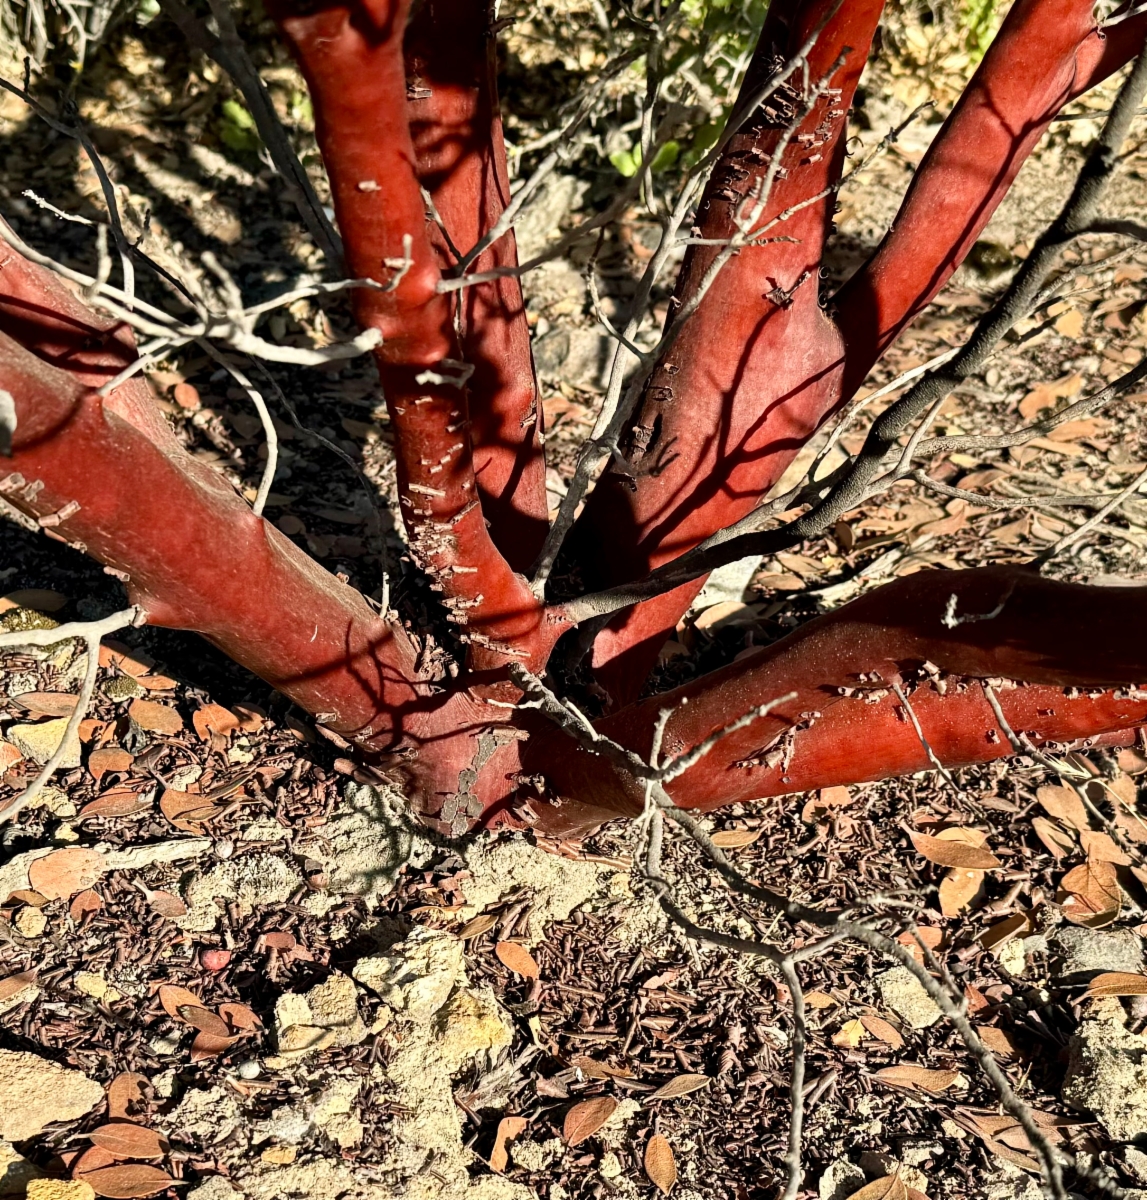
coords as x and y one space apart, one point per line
406 112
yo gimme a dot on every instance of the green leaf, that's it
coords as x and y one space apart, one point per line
237 128
627 162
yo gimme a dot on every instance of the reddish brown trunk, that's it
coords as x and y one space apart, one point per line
703 464
451 67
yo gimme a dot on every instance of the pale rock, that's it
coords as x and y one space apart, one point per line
471 1023
345 1130
610 1165
325 1016
557 197
60 1189
30 922
579 356
164 1044
205 1115
1078 953
96 986
35 1092
263 829
24 996
65 834
902 992
56 802
840 1180
417 976
615 1132
729 582
1136 1163
39 742
1011 957
16 1172
247 881
1010 1183
536 1156
215 1188
1107 1076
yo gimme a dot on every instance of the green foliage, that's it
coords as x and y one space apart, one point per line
980 19
628 162
237 127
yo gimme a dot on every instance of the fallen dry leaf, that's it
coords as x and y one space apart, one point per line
15 984
884 1030
47 704
735 839
213 720
1003 931
1046 394
125 1092
239 1016
891 1187
478 925
63 873
818 1000
204 1020
125 1140
1093 897
598 1070
660 1165
998 1042
1057 839
27 896
947 852
927 934
155 717
86 902
509 1128
1064 804
849 1035
977 1001
173 997
827 798
128 1181
907 1075
278 940
585 1119
518 959
120 802
185 810
680 1085
166 904
9 756
208 1045
957 890
108 759
1101 846
1116 983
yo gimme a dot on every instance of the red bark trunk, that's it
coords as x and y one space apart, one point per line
704 464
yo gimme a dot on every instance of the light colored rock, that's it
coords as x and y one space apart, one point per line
579 356
1010 1183
205 1116
35 1092
1136 1163
23 996
248 881
554 202
1078 953
1107 1076
31 922
215 1188
471 1023
840 1180
60 1189
39 742
325 1016
96 986
728 583
902 992
536 1156
610 1166
417 976
16 1172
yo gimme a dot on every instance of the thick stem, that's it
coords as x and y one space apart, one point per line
460 159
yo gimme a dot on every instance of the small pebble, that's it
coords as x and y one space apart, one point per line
215 960
249 1069
31 922
224 848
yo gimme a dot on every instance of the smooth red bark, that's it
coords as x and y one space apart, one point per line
705 463
460 158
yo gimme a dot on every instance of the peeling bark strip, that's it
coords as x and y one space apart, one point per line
352 57
460 158
704 463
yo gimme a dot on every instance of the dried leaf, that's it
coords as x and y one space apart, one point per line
1133 762
131 662
125 1140
86 902
1117 983
203 1019
47 704
173 997
947 852
279 940
735 839
827 798
239 1016
92 1159
849 1036
518 959
9 756
208 1045
585 1119
1003 931
27 896
186 809
155 717
251 717
680 1085
977 1001
998 1042
508 1129
906 1075
213 719
121 802
1093 896
1101 846
128 1181
166 904
891 1187
884 1030
479 925
63 873
125 1092
593 1069
15 984
927 934
818 1000
659 1164
41 599
957 889
109 759
1064 804
1054 837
